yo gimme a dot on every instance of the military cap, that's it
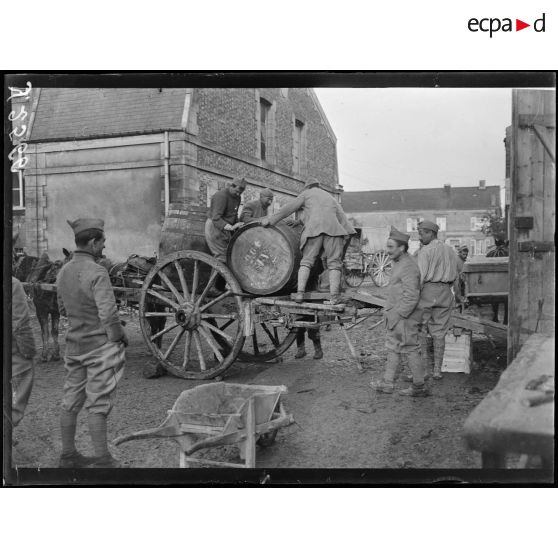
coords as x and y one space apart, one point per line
463 248
239 181
394 234
311 182
267 193
85 224
429 225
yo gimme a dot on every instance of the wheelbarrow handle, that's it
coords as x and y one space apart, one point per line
159 432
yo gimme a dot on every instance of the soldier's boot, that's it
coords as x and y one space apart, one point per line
386 384
334 287
416 366
439 348
70 458
426 360
98 432
300 348
303 274
318 353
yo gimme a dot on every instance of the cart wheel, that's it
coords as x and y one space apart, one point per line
353 277
381 269
205 330
267 342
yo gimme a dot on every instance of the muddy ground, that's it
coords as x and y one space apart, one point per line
340 421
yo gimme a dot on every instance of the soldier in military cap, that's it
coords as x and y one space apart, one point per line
325 227
256 209
402 318
222 218
437 262
95 345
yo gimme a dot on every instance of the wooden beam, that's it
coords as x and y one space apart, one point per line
479 325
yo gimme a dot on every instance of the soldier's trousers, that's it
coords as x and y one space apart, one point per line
437 303
92 378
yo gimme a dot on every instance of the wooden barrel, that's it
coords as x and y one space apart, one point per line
265 260
183 229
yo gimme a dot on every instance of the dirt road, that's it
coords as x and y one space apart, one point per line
340 421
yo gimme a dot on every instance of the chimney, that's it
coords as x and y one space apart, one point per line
447 189
482 184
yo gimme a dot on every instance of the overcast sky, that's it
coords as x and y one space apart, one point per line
418 138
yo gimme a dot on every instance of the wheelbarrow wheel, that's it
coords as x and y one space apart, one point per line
191 315
267 439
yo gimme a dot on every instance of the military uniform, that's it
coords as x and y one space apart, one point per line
325 226
23 351
254 209
402 319
437 262
95 345
223 211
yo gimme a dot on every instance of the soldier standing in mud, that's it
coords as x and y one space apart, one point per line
95 345
437 262
402 318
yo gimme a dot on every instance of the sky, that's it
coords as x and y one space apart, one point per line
418 138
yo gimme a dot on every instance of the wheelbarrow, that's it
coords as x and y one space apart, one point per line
221 414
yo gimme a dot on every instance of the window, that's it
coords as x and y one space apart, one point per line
454 242
441 222
477 223
265 107
412 223
18 192
479 247
298 146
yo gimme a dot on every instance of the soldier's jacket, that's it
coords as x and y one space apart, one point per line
404 290
85 295
252 210
23 342
322 215
223 209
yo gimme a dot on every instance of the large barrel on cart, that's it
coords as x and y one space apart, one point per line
265 260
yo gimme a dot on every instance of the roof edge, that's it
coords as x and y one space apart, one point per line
322 113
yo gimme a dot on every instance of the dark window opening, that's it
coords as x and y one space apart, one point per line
265 106
299 128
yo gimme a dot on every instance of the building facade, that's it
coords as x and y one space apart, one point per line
132 155
459 212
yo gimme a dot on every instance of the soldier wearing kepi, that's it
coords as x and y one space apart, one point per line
222 218
402 317
95 345
256 209
437 262
325 226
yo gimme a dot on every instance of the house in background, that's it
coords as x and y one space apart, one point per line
459 212
134 156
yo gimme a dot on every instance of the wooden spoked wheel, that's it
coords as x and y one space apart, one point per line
268 341
380 269
353 277
192 330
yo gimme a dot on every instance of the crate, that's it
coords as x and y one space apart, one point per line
457 354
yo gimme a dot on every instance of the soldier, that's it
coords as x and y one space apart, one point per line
222 218
95 345
256 209
23 351
402 317
459 287
437 262
325 226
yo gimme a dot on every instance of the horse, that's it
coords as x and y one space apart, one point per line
42 270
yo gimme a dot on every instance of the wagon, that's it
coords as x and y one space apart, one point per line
219 414
199 315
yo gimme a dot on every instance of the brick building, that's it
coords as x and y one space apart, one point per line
133 155
457 211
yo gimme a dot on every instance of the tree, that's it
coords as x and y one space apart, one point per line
495 225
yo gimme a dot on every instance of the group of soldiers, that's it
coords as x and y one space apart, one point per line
421 298
420 302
